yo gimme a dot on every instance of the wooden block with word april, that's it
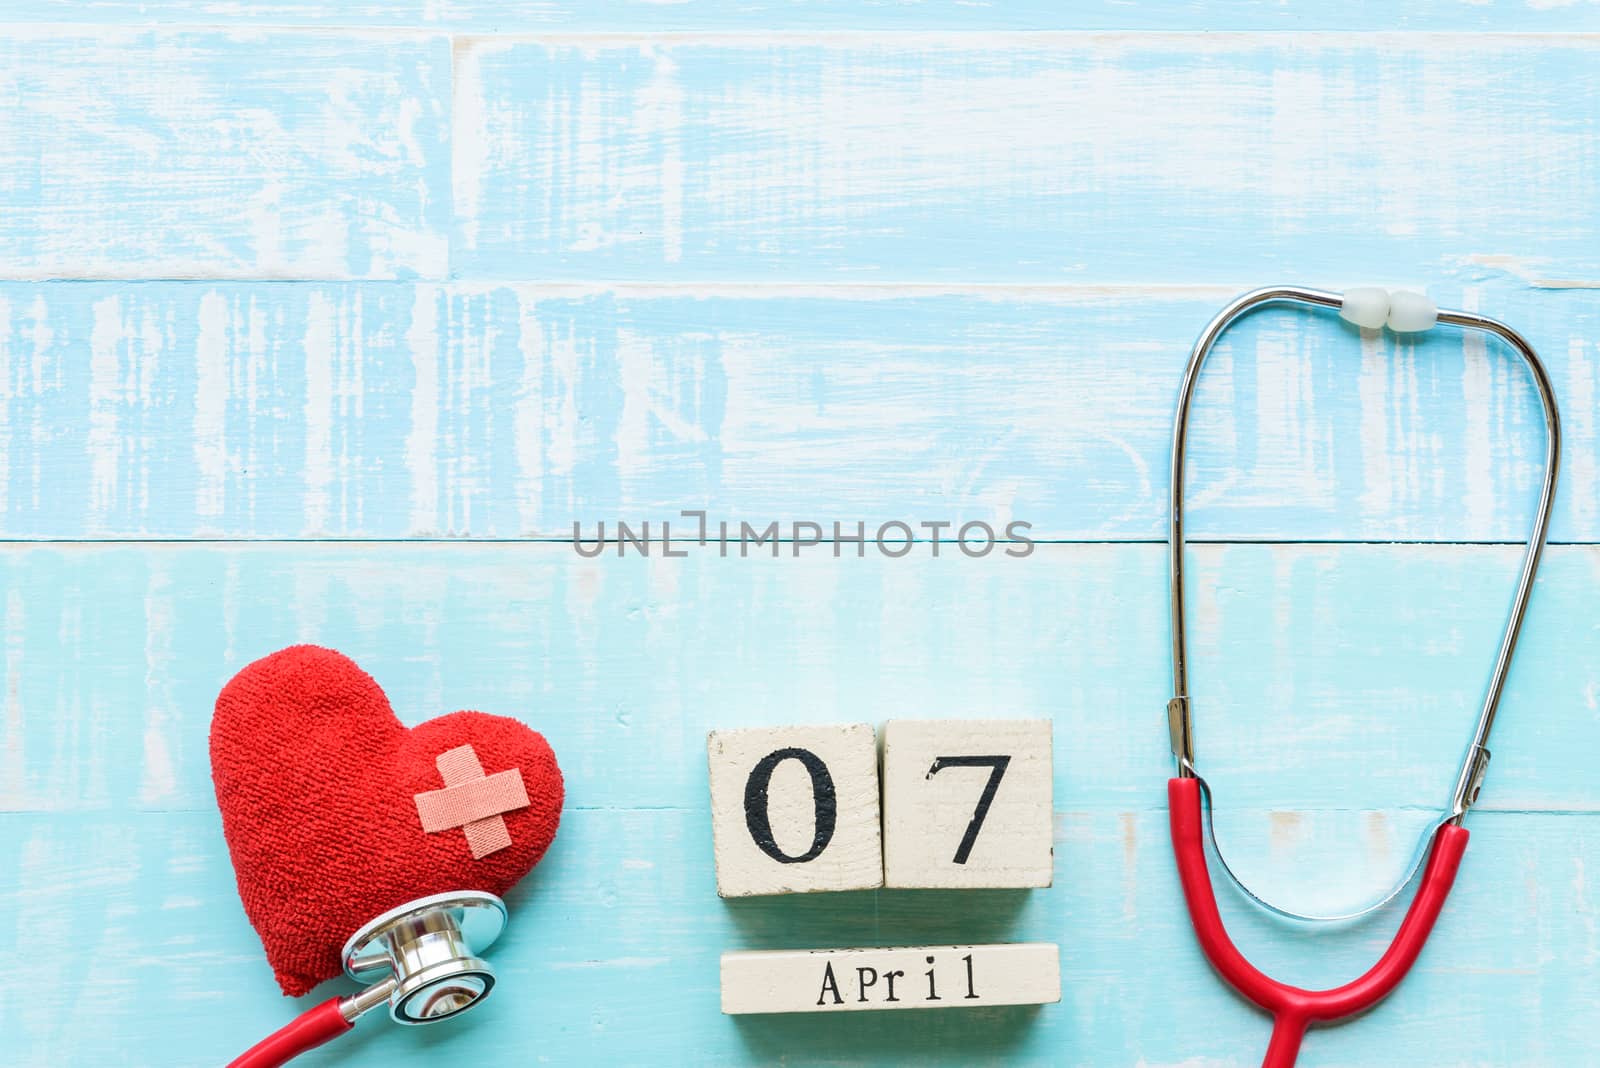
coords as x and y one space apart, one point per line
967 803
795 809
918 977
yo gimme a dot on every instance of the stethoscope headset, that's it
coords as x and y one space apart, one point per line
1189 798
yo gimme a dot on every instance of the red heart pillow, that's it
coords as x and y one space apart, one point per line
316 781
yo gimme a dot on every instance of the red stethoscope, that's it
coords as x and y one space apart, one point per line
1189 799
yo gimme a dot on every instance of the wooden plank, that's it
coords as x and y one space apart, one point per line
1019 158
612 954
899 977
1335 677
1334 683
377 410
503 16
196 153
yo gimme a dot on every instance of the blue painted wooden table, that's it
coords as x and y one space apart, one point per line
326 323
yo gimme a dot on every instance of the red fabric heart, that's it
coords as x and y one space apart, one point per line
315 778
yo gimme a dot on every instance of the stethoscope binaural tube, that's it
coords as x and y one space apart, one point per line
426 952
1295 1009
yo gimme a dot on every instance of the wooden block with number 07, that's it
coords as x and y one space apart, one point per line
967 803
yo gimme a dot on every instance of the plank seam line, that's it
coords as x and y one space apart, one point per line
758 37
820 288
757 551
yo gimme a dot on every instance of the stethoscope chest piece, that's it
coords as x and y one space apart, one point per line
422 957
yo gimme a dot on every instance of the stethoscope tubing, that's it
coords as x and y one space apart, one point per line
312 1028
1293 1009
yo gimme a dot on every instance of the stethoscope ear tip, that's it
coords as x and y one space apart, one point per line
1401 310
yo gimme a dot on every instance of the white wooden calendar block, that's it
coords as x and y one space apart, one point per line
795 809
918 977
967 803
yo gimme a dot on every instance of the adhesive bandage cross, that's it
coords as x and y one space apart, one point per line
472 801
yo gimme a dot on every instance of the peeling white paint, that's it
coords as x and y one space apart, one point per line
103 441
8 388
13 755
212 363
528 421
1479 410
320 342
422 442
158 781
1374 390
